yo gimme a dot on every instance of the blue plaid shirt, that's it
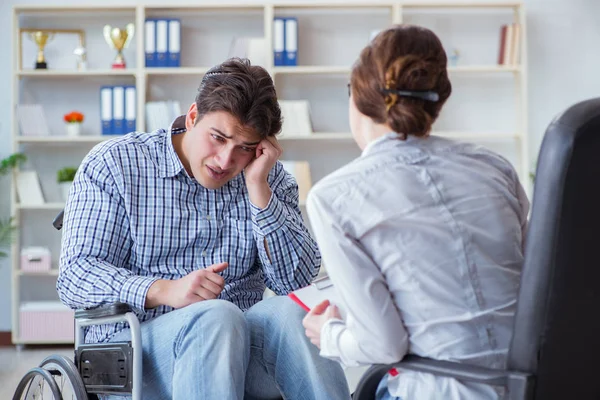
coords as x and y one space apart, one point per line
134 216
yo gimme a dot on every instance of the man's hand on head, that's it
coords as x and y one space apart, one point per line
268 152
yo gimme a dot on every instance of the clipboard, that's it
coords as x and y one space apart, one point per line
320 290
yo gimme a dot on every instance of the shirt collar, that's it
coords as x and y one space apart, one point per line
376 144
413 145
172 165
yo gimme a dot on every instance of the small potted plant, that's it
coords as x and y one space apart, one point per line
73 120
65 178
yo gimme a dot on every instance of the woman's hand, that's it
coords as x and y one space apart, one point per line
316 318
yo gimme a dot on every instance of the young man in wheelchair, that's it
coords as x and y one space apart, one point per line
187 226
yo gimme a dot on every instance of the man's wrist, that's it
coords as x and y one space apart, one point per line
156 295
260 193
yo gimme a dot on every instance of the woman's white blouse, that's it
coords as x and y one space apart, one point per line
423 240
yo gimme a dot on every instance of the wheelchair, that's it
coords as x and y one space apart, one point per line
103 368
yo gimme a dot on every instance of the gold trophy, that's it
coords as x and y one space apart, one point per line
41 38
119 39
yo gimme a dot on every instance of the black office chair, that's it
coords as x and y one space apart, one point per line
555 348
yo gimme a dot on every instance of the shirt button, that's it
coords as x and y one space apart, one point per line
207 216
204 253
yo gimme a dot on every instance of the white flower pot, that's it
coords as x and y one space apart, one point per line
64 189
73 128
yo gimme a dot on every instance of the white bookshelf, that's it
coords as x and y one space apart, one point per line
52 272
330 37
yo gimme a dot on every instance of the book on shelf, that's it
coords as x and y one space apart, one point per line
118 109
29 190
32 120
162 42
296 118
301 171
509 52
160 114
285 41
252 48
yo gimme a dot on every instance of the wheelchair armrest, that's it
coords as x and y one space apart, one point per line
520 383
109 310
463 372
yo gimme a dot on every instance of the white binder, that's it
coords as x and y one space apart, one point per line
106 113
118 110
130 109
278 42
291 42
150 42
162 42
174 48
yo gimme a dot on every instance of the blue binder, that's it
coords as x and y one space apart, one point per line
291 42
106 105
150 42
279 42
130 109
174 47
118 125
162 42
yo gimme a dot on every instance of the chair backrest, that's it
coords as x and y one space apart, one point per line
557 324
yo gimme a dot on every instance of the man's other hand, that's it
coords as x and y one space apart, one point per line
202 284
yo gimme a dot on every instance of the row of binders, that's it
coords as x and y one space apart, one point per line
285 41
117 109
162 42
510 45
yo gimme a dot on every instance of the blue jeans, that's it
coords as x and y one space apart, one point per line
212 350
382 390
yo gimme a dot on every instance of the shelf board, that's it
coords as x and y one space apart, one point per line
50 341
336 5
295 70
312 69
484 68
52 272
477 135
74 73
341 70
463 4
177 71
45 206
319 136
73 7
64 139
448 134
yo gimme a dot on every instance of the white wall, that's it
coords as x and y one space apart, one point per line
564 60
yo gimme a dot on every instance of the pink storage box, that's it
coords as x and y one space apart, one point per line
35 259
46 321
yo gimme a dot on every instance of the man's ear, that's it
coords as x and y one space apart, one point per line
190 118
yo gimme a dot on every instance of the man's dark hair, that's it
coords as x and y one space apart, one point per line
245 91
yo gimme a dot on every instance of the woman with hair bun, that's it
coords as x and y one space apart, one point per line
422 236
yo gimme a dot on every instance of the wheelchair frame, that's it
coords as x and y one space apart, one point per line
91 361
110 315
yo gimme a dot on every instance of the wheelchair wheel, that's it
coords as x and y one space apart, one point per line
66 376
37 383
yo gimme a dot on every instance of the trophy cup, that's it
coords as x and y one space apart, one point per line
41 38
119 39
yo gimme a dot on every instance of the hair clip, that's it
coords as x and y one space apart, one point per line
423 95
